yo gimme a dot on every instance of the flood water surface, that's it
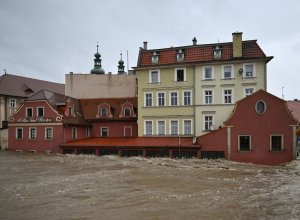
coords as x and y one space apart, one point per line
35 186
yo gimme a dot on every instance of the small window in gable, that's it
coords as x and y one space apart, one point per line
217 52
180 55
70 110
154 58
104 112
29 112
127 112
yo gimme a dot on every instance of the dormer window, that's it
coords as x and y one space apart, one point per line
70 110
180 55
154 57
217 52
104 112
127 112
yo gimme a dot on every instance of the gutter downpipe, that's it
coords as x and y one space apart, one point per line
194 99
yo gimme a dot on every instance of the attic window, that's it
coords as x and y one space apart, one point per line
260 107
154 57
180 55
127 112
104 112
217 52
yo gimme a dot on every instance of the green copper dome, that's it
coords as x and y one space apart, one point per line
97 64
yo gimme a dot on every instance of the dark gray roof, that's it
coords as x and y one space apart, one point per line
19 86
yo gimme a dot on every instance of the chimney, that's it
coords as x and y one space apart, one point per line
145 45
194 41
237 42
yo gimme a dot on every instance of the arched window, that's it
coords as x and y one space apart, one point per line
127 112
104 112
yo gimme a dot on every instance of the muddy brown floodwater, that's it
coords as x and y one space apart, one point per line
36 186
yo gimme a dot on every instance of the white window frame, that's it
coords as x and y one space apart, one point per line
212 96
150 76
145 130
74 133
246 94
184 74
183 127
183 97
35 133
103 112
51 136
17 138
282 143
37 111
231 73
157 99
250 142
180 55
232 96
170 126
157 127
154 57
127 108
212 73
170 98
101 131
253 70
145 100
12 103
27 112
204 121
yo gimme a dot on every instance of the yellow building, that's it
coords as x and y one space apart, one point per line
189 90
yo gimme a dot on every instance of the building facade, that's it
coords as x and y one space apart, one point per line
191 90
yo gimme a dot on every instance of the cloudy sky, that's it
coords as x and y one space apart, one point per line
46 39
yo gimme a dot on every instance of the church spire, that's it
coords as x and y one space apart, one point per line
97 63
121 65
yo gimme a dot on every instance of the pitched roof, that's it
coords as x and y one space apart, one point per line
294 107
90 107
19 86
59 102
132 142
200 54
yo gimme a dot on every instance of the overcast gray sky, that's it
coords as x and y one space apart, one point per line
47 39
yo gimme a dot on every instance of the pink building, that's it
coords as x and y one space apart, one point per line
261 130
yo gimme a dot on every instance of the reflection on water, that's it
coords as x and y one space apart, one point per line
36 186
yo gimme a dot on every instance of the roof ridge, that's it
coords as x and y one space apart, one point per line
8 74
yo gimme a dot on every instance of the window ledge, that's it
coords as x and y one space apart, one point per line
244 151
249 77
228 79
158 83
208 80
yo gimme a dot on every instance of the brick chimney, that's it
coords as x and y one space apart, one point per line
237 41
145 45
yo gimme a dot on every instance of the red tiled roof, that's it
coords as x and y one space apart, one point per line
294 107
199 53
20 86
90 107
132 142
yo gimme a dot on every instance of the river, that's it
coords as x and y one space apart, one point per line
40 186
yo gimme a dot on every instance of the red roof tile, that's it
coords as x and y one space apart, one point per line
294 107
133 142
199 53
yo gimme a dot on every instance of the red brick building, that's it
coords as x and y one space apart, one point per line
261 130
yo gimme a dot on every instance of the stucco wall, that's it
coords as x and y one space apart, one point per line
100 86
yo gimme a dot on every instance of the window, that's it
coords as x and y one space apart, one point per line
104 112
174 127
187 98
276 143
187 126
74 133
180 55
260 107
208 122
174 98
70 110
87 132
208 73
249 70
244 143
217 52
208 97
48 133
19 133
104 132
127 112
40 111
180 75
32 133
161 127
154 76
227 72
148 99
227 93
148 127
29 112
154 57
248 91
12 103
160 99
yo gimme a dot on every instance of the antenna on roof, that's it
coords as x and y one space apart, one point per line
4 71
127 61
282 92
